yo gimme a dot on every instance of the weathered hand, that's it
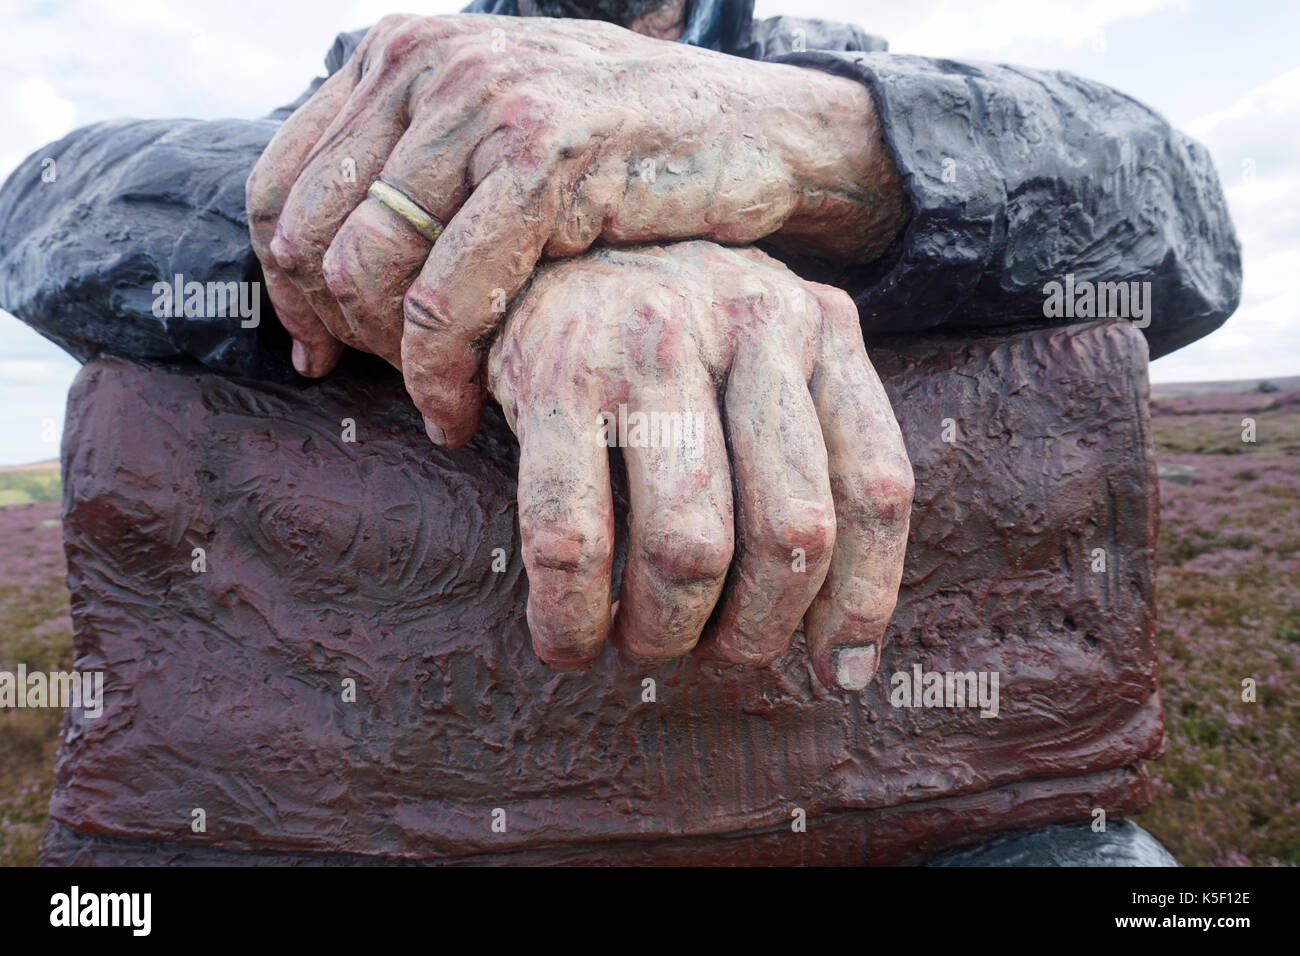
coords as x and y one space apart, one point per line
532 138
746 360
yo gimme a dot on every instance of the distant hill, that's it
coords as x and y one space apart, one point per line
1235 387
23 484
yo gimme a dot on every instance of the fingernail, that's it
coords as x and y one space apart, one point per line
301 358
855 666
435 433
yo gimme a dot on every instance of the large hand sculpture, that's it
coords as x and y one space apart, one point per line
531 138
741 355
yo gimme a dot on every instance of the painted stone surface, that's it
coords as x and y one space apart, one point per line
329 561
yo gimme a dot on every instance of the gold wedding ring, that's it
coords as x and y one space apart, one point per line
407 208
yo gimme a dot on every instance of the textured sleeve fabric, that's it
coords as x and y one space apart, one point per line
1022 178
777 36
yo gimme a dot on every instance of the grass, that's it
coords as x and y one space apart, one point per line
1228 590
21 487
35 629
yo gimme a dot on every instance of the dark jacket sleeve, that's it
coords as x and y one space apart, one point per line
1019 178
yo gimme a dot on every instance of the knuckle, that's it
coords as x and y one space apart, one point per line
688 551
836 303
340 273
530 148
473 57
659 307
425 307
892 492
257 195
291 253
390 22
260 191
804 525
572 549
525 117
868 614
884 493
839 313
763 301
521 106
401 36
505 380
405 37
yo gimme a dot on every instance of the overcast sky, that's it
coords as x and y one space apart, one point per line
1226 72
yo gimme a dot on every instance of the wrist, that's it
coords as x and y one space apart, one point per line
850 204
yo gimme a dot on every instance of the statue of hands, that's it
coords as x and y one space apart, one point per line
767 476
787 496
531 139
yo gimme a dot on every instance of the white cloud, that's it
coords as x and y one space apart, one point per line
1255 141
145 58
958 28
34 113
34 379
1275 100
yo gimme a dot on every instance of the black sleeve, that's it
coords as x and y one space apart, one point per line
1020 178
777 36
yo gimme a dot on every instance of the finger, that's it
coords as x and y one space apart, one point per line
377 255
680 529
478 265
368 268
315 349
871 483
785 519
566 519
349 156
431 163
525 160
270 184
458 138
